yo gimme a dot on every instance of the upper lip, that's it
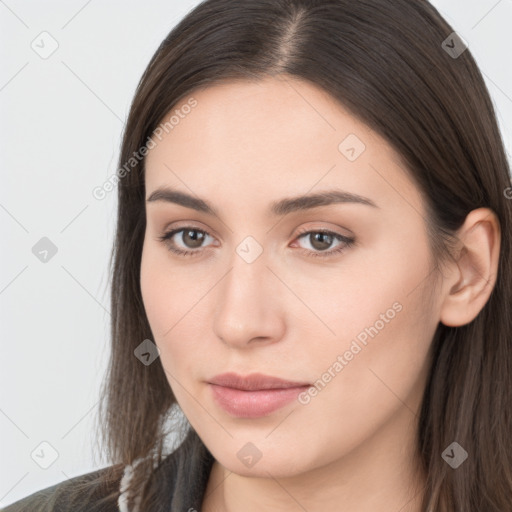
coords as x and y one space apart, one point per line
254 381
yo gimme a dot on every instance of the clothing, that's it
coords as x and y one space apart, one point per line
179 490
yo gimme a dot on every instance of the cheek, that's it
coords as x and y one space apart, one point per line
376 365
154 291
373 293
370 386
171 303
385 355
163 289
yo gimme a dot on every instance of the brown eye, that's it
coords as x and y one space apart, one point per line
192 241
191 238
321 240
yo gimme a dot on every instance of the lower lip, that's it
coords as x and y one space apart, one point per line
254 404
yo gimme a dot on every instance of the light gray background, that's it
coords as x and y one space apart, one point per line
61 120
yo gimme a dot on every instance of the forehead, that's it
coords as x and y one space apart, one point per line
278 114
278 135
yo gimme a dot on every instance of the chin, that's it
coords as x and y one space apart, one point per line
279 465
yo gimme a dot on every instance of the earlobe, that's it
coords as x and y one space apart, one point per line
474 272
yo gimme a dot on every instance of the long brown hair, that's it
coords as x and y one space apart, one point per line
384 61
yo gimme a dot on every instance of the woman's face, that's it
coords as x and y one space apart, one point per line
257 295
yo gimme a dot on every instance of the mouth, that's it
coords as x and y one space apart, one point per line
254 395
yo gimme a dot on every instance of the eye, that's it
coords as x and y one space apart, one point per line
188 237
192 238
321 239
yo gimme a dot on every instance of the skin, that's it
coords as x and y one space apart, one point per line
289 314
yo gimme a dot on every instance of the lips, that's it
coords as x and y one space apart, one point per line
254 381
254 395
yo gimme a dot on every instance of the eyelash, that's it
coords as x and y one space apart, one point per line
347 242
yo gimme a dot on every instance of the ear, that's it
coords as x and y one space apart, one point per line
473 275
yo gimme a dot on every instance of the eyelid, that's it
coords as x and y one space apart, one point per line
346 242
191 224
335 230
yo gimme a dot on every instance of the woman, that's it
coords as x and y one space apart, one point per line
312 264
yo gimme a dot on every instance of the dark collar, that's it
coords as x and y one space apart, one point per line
182 477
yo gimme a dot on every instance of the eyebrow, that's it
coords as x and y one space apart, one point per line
277 208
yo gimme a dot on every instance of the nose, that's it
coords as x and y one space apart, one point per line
249 305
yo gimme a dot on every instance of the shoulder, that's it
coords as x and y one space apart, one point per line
91 492
177 483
